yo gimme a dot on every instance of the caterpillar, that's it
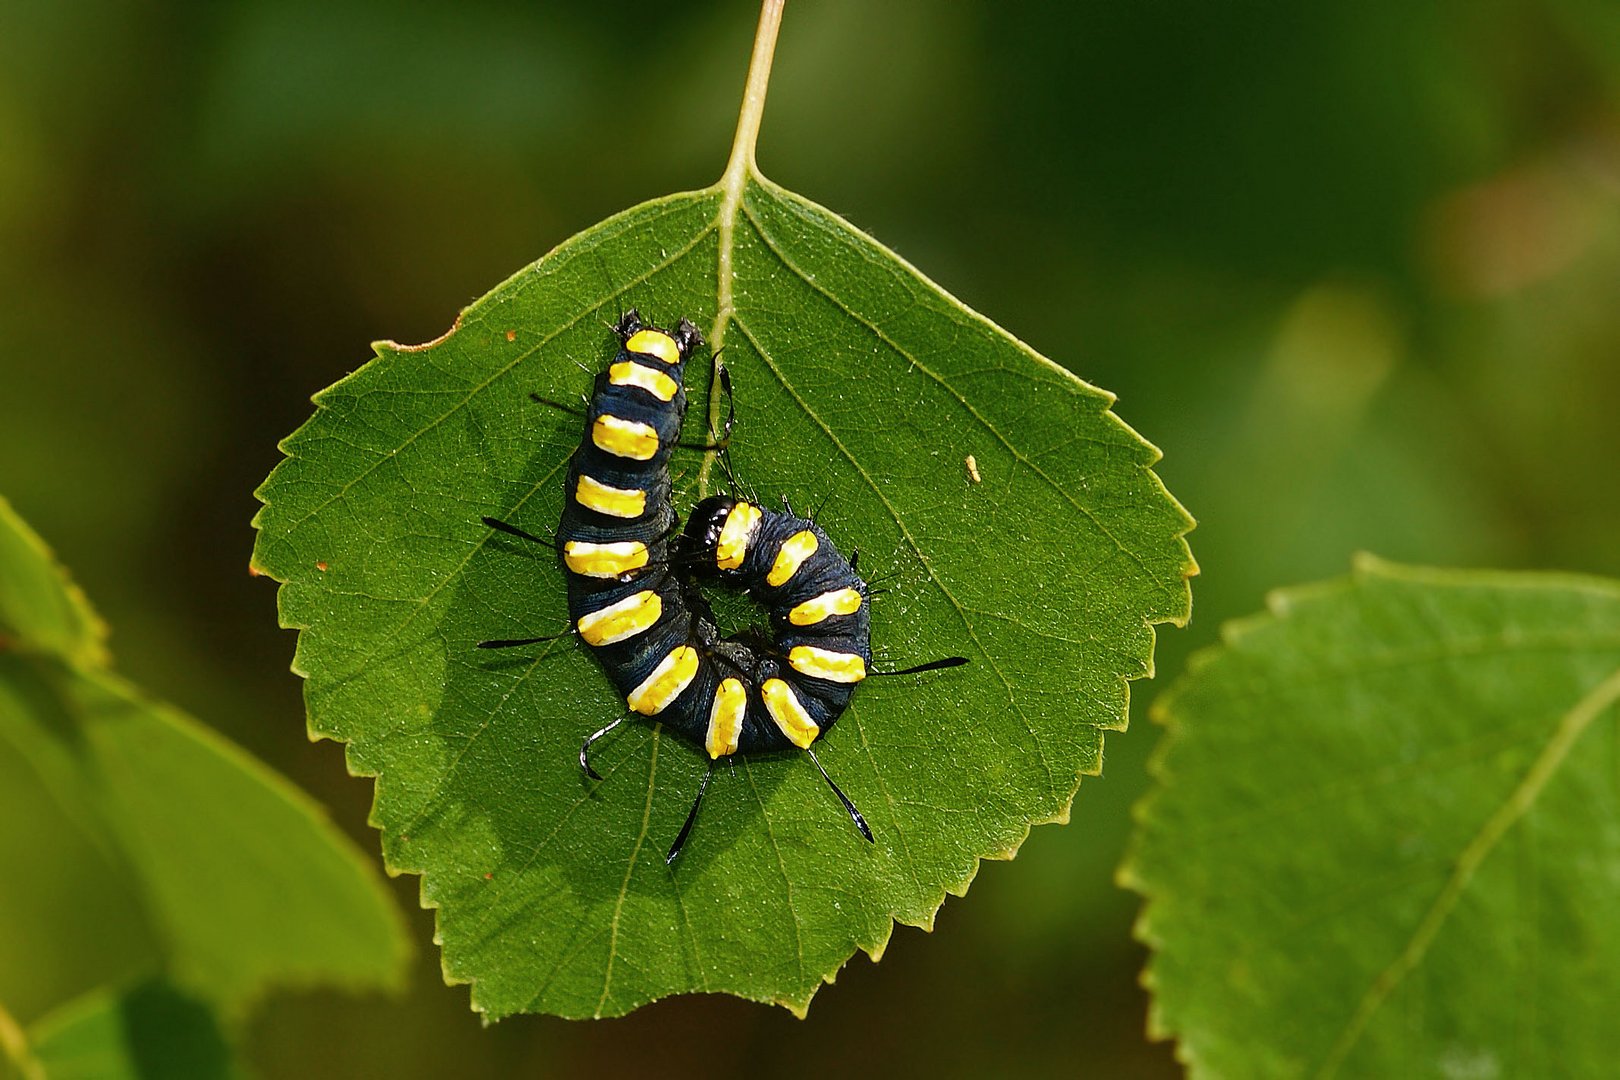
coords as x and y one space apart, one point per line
632 582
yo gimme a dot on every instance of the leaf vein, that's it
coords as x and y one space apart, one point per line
911 541
1569 730
630 868
876 332
781 864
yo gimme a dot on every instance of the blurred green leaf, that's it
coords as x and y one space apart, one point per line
135 838
71 907
40 608
149 1032
859 382
1387 832
253 885
72 910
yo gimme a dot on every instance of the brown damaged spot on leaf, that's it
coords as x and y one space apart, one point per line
397 347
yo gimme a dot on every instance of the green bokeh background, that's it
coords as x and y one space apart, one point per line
1353 266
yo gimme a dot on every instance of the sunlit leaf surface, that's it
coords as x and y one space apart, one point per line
861 388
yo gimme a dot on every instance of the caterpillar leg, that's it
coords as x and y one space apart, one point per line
691 817
585 748
932 665
723 441
513 530
854 814
512 643
572 410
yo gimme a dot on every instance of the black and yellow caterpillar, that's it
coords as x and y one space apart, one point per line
633 597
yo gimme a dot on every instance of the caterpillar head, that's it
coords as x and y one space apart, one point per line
718 533
670 348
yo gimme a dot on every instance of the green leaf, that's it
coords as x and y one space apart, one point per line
137 840
147 1032
1386 835
244 880
40 608
858 381
72 910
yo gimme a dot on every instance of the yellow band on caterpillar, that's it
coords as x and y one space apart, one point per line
654 343
673 674
817 608
739 528
625 438
655 382
824 664
726 718
625 619
795 549
604 560
784 706
605 499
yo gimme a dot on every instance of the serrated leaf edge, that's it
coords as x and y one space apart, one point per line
1177 617
1280 604
1178 611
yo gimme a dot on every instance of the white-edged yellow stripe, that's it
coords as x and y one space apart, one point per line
625 438
655 382
784 706
795 549
604 560
817 608
631 616
732 547
839 667
606 499
654 343
726 718
673 674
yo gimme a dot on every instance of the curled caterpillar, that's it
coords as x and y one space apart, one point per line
821 629
633 597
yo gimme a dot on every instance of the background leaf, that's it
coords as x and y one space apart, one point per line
39 607
70 906
1387 832
146 1032
138 841
859 383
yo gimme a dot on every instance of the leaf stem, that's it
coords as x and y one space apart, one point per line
733 182
742 160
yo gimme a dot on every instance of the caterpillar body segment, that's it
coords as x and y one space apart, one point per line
633 581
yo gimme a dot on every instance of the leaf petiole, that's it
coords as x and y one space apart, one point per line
739 168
